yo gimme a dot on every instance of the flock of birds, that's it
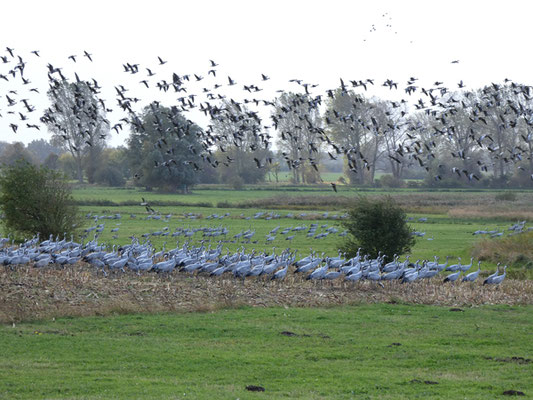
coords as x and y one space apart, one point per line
142 258
222 233
80 117
515 229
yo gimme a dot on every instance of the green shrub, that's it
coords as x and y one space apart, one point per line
389 181
236 182
506 196
224 204
414 183
109 175
377 225
36 200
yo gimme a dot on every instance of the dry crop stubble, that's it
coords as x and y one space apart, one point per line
30 294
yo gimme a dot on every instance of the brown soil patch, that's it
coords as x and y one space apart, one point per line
28 293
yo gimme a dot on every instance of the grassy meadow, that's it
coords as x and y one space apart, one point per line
377 351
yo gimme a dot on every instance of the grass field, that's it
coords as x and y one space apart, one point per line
214 194
379 351
455 203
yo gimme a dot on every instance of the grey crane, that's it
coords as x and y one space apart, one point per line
465 268
309 266
331 275
496 280
165 266
279 275
472 276
442 267
411 277
317 273
354 277
454 267
453 277
491 276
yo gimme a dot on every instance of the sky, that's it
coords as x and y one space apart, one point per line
316 41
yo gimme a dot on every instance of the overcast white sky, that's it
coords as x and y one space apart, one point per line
317 41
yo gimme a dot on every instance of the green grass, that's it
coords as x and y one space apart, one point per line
207 196
351 352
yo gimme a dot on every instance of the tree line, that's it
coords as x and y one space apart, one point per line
479 137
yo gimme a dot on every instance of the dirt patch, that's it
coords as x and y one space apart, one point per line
29 293
516 360
254 388
424 382
514 393
288 333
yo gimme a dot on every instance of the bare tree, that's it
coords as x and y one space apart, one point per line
243 146
297 119
76 120
357 127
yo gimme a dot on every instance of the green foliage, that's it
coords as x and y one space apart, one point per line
516 250
52 161
389 181
163 150
109 175
112 167
299 141
240 144
36 200
16 152
377 225
243 165
42 149
67 164
236 182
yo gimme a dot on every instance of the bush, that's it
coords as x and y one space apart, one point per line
110 176
377 225
36 200
505 196
236 182
389 181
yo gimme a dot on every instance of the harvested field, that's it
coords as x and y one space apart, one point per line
30 294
